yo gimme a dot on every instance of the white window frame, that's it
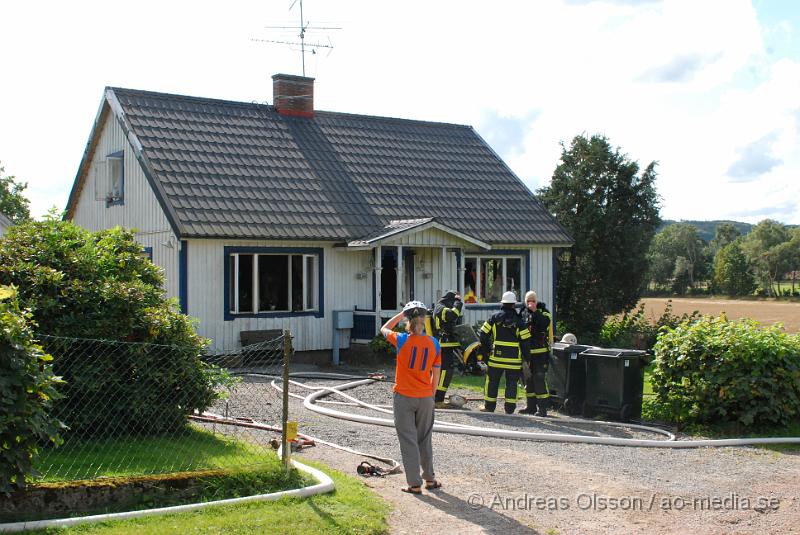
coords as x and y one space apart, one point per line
305 257
115 177
504 257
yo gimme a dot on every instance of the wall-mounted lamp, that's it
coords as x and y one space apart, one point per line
170 243
361 275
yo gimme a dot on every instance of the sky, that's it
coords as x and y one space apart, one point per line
708 89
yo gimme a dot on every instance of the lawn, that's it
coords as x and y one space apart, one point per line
468 382
195 449
352 508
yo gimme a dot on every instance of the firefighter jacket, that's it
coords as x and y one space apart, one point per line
508 337
540 326
446 314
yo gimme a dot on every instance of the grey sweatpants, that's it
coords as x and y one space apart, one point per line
413 420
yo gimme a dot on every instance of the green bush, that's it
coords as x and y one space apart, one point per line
27 391
98 285
634 330
713 370
381 346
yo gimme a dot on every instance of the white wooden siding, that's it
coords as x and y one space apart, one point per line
342 291
348 275
140 210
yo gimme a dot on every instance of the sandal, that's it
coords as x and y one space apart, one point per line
432 485
412 490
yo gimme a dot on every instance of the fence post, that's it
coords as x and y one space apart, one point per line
287 352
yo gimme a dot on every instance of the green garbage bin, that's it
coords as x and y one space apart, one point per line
566 377
614 382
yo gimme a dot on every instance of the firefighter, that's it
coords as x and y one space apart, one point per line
446 314
539 323
507 336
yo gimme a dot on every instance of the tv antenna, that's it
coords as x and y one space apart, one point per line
304 27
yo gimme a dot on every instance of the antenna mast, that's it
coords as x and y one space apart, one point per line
303 27
302 38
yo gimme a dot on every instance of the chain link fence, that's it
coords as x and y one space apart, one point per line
134 409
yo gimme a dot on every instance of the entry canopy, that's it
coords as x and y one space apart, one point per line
395 232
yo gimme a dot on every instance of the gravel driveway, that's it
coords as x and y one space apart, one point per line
493 485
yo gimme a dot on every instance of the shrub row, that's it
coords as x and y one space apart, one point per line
712 370
27 392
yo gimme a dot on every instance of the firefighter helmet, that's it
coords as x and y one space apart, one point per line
457 400
569 338
509 298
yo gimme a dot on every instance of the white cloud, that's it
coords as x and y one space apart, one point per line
689 84
755 160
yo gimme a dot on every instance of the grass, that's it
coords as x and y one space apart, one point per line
196 449
195 467
475 383
352 508
468 382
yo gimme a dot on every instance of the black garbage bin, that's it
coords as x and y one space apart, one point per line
614 382
566 377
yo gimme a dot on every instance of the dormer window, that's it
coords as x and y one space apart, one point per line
115 171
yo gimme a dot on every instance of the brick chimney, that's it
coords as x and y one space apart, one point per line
293 95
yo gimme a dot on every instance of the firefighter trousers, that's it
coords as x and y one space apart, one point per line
446 375
492 385
536 385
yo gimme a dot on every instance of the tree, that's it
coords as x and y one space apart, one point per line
769 260
12 202
794 260
724 234
87 286
612 212
678 253
732 274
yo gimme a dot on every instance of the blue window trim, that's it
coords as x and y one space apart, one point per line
148 251
183 276
526 259
120 155
227 251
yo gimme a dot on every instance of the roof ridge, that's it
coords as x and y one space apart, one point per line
243 104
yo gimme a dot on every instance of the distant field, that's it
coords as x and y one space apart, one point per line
765 312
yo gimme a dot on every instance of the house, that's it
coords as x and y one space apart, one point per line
275 216
5 222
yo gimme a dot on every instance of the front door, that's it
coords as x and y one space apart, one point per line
388 279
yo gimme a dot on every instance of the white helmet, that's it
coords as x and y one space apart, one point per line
414 309
457 400
509 298
569 338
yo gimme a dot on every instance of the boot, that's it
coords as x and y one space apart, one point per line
510 408
489 406
530 409
542 407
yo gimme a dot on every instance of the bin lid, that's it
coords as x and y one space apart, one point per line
571 348
615 353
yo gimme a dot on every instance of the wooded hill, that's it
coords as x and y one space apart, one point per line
707 229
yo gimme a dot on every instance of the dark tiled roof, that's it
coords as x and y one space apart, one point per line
232 169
